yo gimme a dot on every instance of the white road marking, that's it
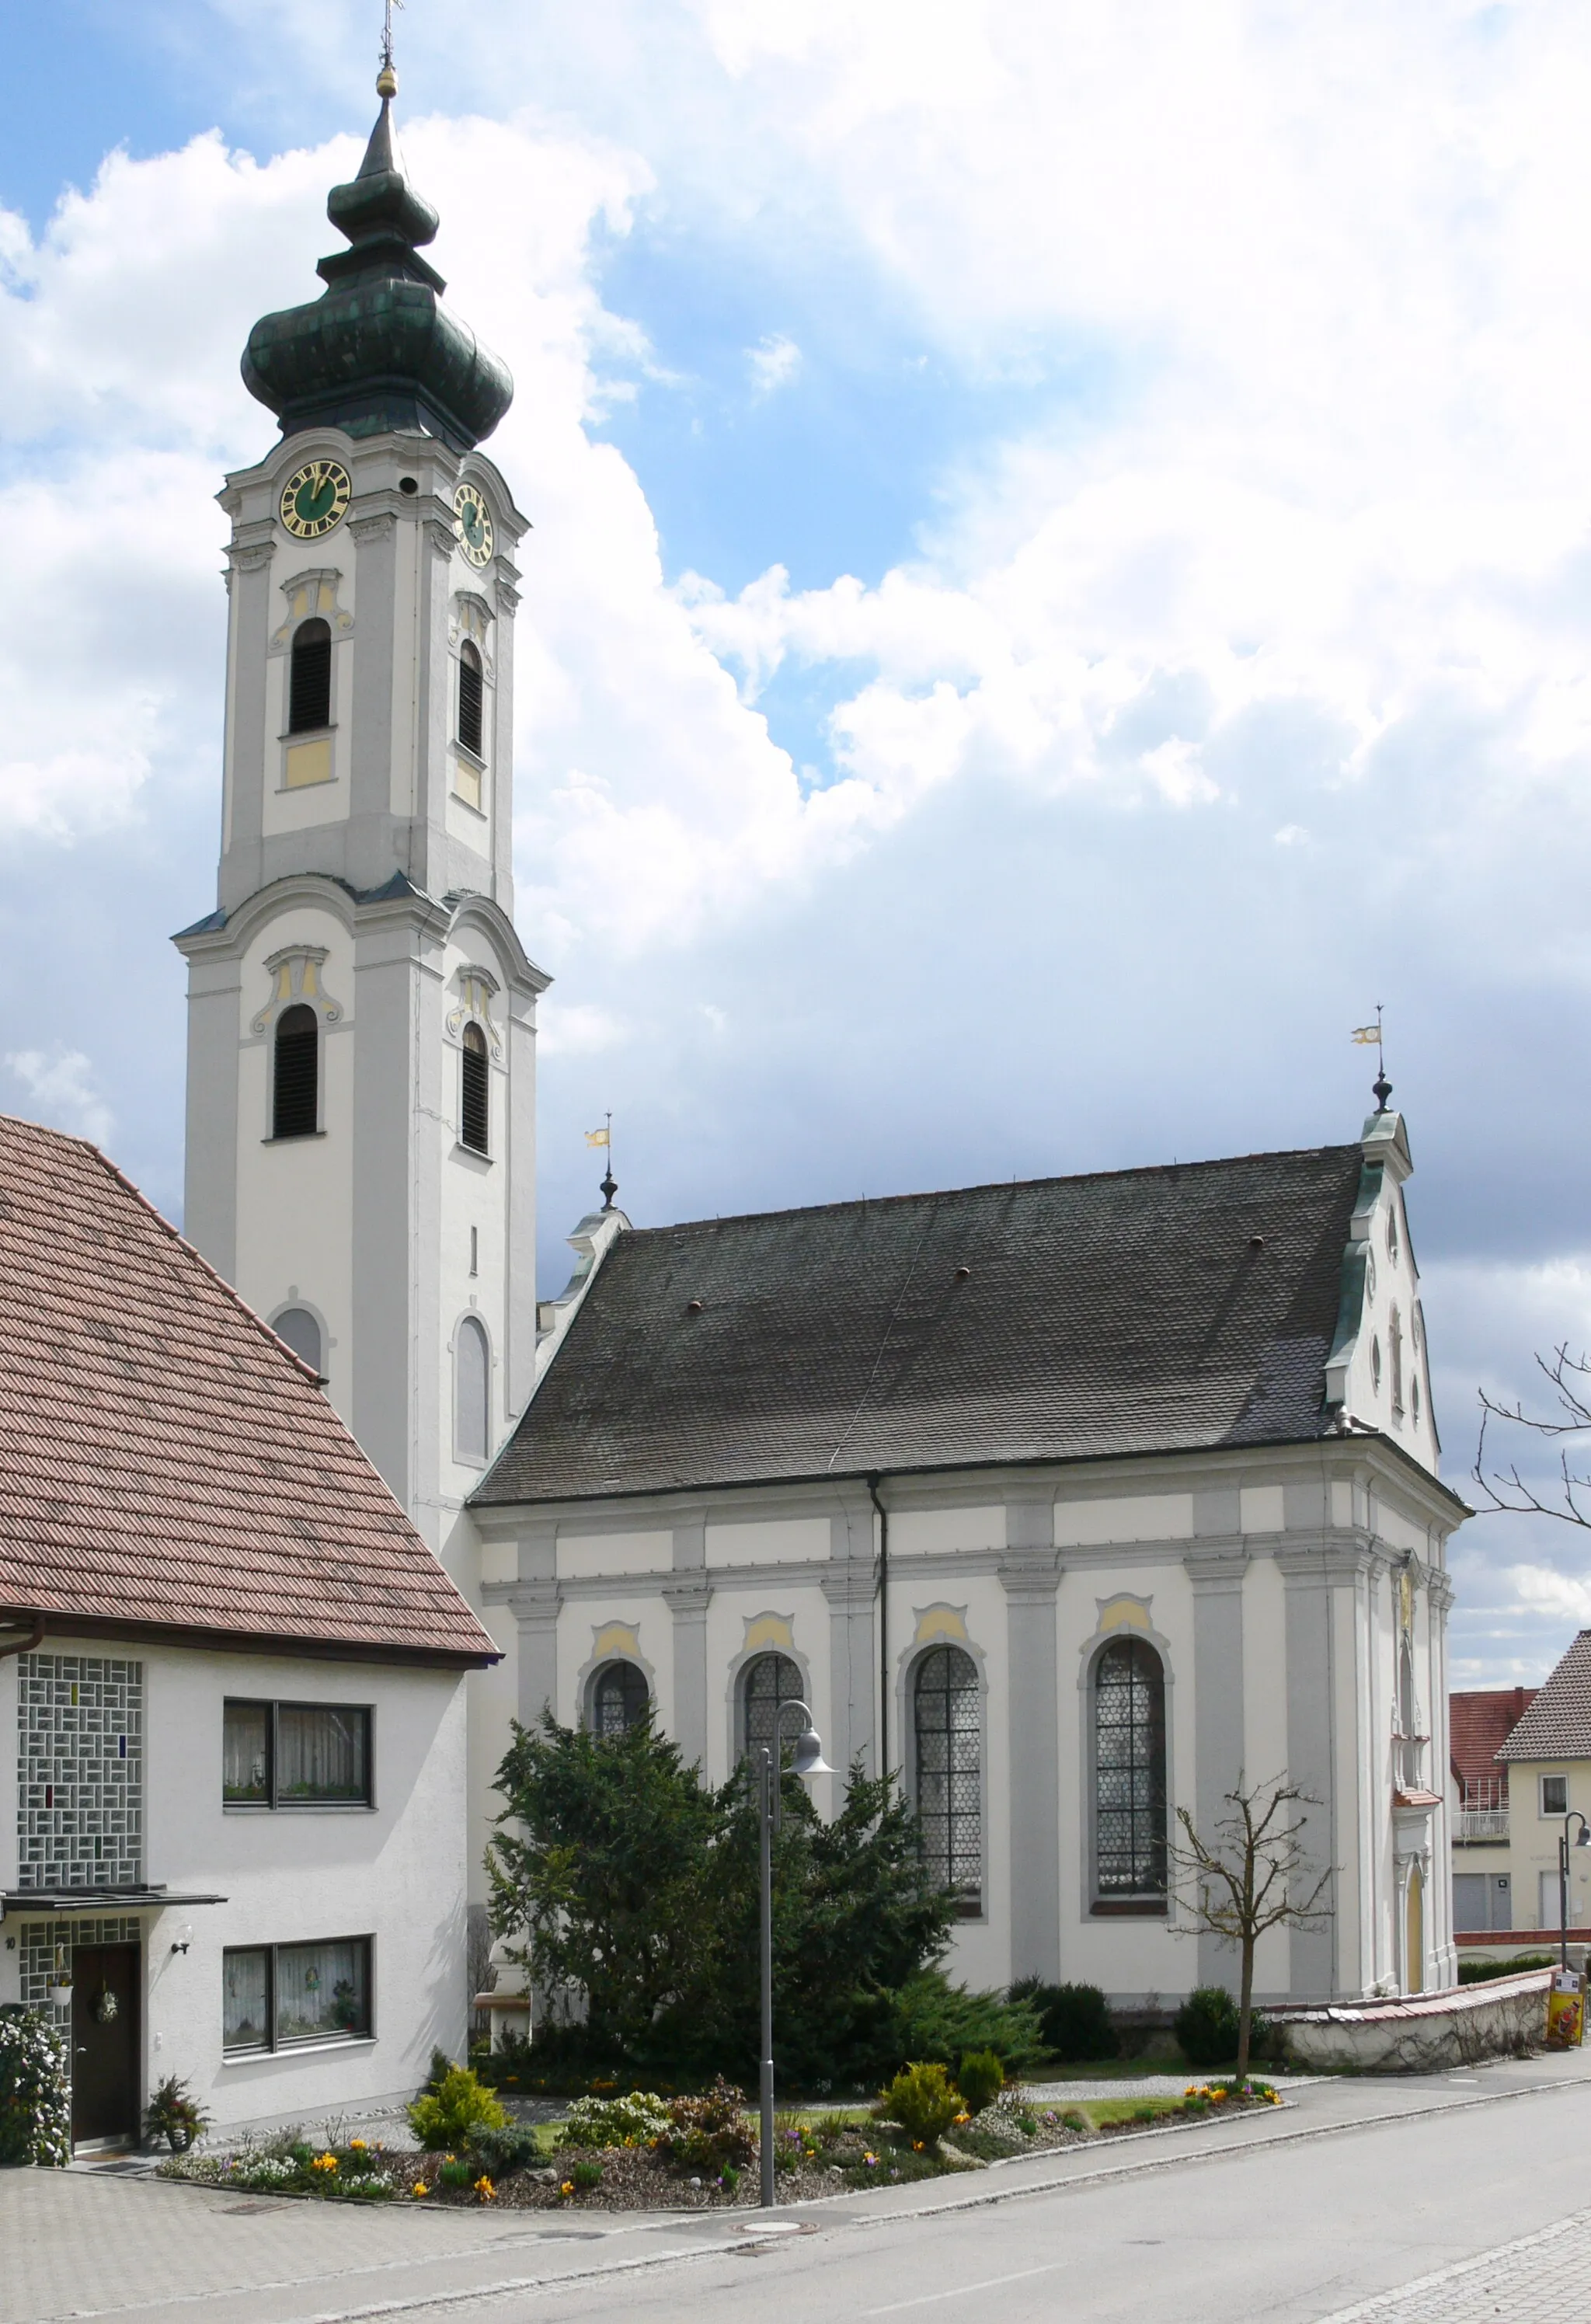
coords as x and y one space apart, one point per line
961 2290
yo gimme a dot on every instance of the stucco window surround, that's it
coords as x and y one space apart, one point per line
765 1634
296 1337
314 615
470 626
935 1628
474 1362
612 1642
1123 1616
298 983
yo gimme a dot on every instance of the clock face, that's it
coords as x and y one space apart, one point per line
473 524
314 500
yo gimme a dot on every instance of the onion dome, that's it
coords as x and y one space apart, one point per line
378 350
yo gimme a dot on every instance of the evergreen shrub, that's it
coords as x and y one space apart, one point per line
1206 2026
1074 2020
453 2114
980 2078
923 2100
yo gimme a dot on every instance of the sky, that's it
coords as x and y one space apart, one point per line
1061 580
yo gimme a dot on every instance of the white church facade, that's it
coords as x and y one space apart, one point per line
1077 1502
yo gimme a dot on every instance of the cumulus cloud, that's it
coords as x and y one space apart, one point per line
773 363
61 1090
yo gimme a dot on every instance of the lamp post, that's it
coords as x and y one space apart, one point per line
1582 1839
808 1761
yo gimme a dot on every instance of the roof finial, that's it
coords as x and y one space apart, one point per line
609 1185
387 78
1381 1089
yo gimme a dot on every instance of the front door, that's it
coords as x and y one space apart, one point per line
104 2041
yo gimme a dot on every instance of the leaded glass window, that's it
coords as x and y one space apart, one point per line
1129 1771
945 1710
618 1699
766 1682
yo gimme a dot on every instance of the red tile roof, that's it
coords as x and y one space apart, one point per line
1478 1725
1557 1724
166 1463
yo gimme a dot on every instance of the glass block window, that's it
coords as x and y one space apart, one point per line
79 1772
619 1698
1129 1771
296 1755
767 1682
947 1729
274 1997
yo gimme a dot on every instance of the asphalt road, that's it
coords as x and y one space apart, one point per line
1379 2199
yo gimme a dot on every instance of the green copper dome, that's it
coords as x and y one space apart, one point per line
378 350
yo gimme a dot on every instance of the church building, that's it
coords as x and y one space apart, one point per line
1078 1501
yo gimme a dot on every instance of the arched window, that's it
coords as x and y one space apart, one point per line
471 1370
1395 1342
950 1777
474 1109
309 678
1129 1771
471 698
295 1083
300 1329
619 1698
765 1683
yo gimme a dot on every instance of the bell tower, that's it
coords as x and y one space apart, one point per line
360 1065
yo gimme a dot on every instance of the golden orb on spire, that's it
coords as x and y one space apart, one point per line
386 82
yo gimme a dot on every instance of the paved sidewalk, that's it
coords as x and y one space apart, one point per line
1540 2279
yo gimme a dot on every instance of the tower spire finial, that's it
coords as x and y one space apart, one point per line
1381 1089
387 78
610 1185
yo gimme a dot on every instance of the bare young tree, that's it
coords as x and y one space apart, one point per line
1505 1488
1249 1875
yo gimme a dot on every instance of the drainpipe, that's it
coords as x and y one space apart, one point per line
9 1646
873 1482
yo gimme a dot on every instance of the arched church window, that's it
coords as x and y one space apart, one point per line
946 1714
767 1682
471 697
309 678
471 1369
295 1083
1129 1772
620 1697
475 1092
300 1329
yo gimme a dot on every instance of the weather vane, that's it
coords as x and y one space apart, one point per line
388 69
604 1137
1380 1088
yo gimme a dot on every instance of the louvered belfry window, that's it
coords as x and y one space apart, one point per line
475 1105
472 699
950 1774
295 1101
1129 1771
309 678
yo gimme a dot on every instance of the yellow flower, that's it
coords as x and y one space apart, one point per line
358 2146
567 2188
962 2118
485 2189
420 2188
323 2162
1217 2097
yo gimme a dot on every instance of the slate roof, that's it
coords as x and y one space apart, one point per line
1479 1722
166 1463
1557 1724
1115 1314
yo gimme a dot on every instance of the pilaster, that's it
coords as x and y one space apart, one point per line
1030 1575
1216 1569
688 1593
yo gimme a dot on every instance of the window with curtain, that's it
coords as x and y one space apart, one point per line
274 1996
472 1369
295 1083
296 1755
619 1698
309 678
475 1092
300 1329
1129 1772
765 1683
471 698
946 1729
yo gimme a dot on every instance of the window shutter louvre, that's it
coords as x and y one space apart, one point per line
295 1108
474 1108
470 700
309 678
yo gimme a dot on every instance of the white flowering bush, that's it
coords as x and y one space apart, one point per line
35 2098
633 2121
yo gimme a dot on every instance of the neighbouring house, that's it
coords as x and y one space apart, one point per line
1547 1759
1479 1722
233 1745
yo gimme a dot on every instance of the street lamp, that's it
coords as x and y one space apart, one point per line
1582 1839
808 1761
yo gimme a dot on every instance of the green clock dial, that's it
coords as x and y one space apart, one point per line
315 499
473 524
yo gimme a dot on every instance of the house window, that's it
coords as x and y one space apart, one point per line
294 1088
309 678
945 1712
474 1088
471 698
300 1329
296 1755
275 1997
767 1682
1555 1797
1129 1772
472 1367
620 1697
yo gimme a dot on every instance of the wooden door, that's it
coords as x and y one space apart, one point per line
104 2041
1414 1982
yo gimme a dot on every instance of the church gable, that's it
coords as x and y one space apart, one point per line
1185 1307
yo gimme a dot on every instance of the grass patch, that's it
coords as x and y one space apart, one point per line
1101 2111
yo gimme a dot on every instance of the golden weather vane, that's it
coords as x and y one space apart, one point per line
386 35
1364 1033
